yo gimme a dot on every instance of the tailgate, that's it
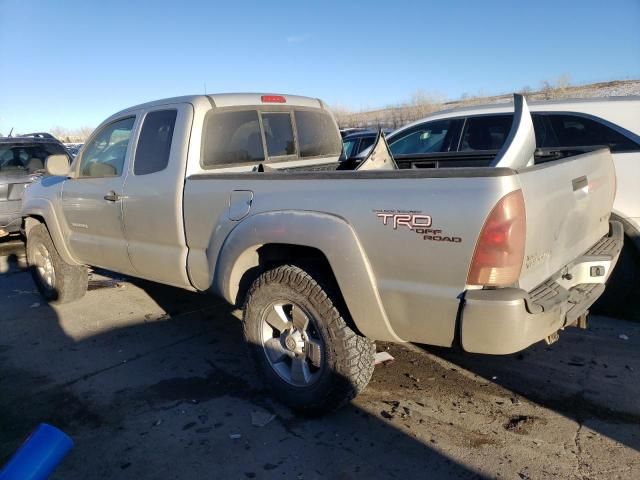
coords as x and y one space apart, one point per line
567 205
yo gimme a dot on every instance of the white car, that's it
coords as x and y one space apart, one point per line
613 121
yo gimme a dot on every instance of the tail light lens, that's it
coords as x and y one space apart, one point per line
497 259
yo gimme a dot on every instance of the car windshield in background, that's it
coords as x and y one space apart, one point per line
317 134
348 146
73 148
30 157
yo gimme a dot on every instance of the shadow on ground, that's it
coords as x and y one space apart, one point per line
170 394
154 382
589 376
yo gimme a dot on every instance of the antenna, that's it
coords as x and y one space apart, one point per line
11 131
205 88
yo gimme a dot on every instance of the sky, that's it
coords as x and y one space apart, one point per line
74 63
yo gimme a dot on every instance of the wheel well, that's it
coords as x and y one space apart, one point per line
310 259
266 257
31 221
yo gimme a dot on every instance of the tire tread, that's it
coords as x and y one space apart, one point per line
354 353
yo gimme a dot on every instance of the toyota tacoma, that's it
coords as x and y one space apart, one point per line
243 196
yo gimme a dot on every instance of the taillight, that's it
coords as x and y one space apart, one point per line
497 259
273 99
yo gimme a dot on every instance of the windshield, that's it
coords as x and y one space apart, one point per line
27 157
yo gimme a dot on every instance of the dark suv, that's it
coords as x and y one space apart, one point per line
21 163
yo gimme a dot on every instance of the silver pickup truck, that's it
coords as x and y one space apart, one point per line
242 195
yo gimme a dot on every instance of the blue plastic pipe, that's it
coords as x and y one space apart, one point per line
39 455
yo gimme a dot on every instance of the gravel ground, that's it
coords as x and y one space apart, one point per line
153 382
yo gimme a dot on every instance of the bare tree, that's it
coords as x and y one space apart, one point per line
71 135
420 103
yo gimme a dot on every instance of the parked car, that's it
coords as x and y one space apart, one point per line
239 195
355 143
348 131
21 163
613 121
73 148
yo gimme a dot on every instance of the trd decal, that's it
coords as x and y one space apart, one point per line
415 221
409 220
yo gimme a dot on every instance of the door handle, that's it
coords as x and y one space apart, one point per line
580 182
112 197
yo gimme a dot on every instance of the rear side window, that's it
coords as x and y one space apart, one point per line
578 131
317 134
231 137
485 132
278 133
154 145
429 137
544 134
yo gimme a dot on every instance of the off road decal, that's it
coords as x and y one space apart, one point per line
415 221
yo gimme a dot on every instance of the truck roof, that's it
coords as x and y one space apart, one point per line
235 99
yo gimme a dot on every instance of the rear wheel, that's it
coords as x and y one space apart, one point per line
303 348
57 281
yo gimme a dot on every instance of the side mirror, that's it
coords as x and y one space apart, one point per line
57 165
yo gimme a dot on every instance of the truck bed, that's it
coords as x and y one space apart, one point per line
470 159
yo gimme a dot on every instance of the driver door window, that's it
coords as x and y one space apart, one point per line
104 155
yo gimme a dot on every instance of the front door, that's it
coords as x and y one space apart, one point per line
92 199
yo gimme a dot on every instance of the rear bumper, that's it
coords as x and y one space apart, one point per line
507 320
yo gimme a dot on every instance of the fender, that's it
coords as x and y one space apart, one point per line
42 207
330 234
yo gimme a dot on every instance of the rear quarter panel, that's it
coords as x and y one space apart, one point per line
418 280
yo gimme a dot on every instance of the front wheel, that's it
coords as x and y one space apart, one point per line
57 281
303 348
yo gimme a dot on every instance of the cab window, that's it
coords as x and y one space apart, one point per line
154 144
317 134
278 133
231 137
